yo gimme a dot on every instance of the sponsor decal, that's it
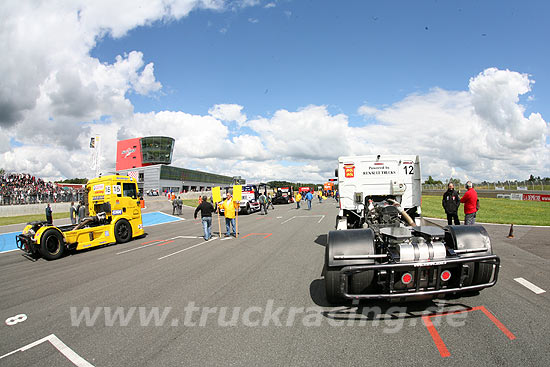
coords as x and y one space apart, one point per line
117 212
100 197
349 170
536 197
140 226
108 190
99 187
127 152
380 169
106 235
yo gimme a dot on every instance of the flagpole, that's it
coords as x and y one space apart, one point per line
219 224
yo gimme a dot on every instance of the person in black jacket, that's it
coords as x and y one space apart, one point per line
451 202
49 215
206 209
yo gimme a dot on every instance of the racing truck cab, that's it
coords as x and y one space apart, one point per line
283 195
114 217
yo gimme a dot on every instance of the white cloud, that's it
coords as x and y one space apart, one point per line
54 96
253 20
270 5
228 112
481 133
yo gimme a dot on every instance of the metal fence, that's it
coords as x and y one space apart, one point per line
15 198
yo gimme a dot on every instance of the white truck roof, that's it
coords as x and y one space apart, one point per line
380 175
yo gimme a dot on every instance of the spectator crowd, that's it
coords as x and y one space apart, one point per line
23 188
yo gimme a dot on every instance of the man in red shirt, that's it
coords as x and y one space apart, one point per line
470 204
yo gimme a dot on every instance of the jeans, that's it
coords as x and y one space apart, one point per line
309 204
470 218
230 222
297 205
207 227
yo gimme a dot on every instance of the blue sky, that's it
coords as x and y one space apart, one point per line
339 54
278 89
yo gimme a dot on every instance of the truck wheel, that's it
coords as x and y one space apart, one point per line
123 231
482 274
361 283
248 210
332 286
469 278
51 245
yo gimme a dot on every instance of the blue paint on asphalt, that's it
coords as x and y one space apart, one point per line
7 240
151 219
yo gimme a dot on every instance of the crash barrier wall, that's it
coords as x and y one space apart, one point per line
15 210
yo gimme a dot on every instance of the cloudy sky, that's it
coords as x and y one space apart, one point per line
278 89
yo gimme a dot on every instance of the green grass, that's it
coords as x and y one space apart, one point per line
22 219
191 202
495 211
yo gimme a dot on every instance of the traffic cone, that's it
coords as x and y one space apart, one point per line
511 233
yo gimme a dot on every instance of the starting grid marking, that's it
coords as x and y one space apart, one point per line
188 248
70 354
527 284
305 216
441 347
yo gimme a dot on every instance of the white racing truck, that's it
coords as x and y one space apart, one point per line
249 202
382 247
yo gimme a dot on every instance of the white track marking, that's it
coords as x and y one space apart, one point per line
527 284
158 224
494 224
289 219
188 248
305 216
14 320
154 243
60 346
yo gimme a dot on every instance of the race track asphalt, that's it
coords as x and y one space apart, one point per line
270 279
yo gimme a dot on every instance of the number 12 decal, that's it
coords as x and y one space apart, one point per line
409 170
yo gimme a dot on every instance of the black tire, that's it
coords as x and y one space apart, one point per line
123 231
332 282
332 286
248 209
362 282
483 273
469 279
52 244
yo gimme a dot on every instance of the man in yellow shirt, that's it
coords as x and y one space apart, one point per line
298 199
229 206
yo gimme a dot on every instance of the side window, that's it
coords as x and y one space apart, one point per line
129 190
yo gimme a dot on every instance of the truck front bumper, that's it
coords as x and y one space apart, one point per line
26 244
440 287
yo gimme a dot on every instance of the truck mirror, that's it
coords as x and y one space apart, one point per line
336 172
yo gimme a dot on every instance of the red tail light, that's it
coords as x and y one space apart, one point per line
406 278
445 275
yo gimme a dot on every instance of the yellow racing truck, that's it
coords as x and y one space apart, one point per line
114 217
